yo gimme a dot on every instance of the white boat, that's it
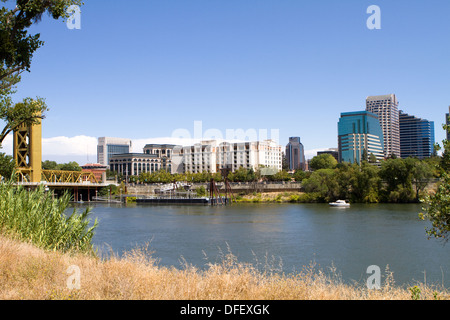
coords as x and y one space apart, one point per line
340 203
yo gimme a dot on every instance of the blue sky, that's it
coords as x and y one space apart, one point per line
141 69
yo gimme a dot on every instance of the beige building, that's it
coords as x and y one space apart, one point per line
386 108
211 156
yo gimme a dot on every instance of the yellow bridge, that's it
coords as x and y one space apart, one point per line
56 177
28 159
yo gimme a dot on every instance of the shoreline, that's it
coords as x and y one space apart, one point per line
31 273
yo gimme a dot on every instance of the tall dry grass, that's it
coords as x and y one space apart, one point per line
27 272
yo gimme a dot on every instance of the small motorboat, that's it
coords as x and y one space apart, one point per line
340 203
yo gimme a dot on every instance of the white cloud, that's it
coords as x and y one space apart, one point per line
66 146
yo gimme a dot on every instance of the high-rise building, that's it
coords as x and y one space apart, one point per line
447 121
295 154
359 136
386 108
107 147
416 136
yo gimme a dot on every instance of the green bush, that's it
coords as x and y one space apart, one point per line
35 216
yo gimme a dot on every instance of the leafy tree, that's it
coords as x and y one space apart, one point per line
17 46
70 166
16 52
437 206
421 174
323 183
49 165
323 161
282 175
29 112
300 175
6 166
396 173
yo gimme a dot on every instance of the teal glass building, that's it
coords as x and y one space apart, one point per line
359 136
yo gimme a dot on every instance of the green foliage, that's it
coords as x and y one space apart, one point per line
300 175
6 166
437 206
280 176
29 111
16 45
17 48
52 165
201 191
35 216
437 210
323 182
242 175
415 293
323 161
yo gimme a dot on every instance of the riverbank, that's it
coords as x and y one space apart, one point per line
27 272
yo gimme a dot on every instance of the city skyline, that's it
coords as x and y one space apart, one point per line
292 67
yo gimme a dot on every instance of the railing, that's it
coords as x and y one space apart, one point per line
58 177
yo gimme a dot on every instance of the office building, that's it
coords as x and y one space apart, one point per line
416 136
295 154
154 158
109 146
386 108
359 136
447 121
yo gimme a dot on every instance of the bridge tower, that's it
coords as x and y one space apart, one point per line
28 150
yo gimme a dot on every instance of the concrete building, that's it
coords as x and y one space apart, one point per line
108 146
359 136
211 156
295 154
154 158
416 136
386 108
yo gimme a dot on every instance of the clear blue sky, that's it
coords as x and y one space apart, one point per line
143 68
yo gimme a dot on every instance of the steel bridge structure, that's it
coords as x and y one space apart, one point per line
27 153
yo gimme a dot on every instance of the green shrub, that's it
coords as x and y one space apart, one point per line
35 216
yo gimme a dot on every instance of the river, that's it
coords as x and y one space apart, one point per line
284 237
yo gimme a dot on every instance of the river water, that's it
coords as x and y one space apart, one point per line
284 237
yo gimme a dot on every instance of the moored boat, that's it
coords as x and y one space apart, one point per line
339 203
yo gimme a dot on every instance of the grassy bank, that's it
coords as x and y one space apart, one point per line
277 197
28 272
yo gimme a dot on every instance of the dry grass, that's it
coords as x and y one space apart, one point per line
27 272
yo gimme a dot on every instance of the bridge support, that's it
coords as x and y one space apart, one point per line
28 150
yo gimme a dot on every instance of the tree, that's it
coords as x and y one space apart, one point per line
29 112
6 166
70 166
437 206
16 52
16 45
323 183
323 161
49 165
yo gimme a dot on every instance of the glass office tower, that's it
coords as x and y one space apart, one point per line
295 154
416 136
359 136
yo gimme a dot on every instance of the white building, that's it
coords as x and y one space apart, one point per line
108 146
211 156
386 108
